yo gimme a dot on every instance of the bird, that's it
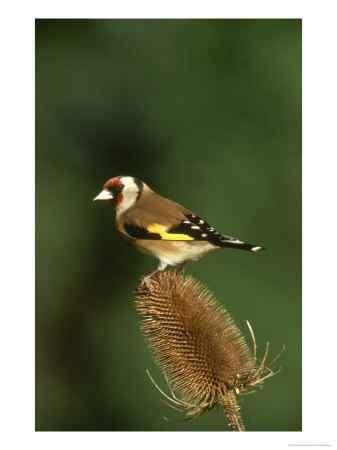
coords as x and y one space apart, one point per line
161 227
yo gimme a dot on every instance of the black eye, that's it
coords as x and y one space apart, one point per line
119 188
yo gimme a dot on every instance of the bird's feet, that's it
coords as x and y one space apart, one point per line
182 267
147 280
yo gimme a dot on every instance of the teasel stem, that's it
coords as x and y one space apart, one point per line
232 410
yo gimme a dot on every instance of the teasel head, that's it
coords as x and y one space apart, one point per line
198 347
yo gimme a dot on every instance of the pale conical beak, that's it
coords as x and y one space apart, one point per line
104 195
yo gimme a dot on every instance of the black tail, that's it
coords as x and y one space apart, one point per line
241 245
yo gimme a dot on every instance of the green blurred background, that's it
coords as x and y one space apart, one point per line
208 113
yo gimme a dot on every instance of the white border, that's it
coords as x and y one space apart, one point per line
17 232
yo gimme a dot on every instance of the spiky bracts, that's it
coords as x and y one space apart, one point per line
197 345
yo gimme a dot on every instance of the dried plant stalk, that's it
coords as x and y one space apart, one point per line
198 347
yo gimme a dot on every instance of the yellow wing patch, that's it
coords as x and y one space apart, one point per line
176 237
161 230
156 228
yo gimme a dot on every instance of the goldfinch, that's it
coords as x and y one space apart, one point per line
160 227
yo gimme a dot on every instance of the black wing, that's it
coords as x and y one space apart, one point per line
192 229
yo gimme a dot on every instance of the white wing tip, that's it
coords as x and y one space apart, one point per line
256 249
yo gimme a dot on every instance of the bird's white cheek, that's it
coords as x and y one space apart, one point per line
127 201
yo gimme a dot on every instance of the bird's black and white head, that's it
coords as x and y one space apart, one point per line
122 191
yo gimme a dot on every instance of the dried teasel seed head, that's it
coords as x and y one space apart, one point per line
197 345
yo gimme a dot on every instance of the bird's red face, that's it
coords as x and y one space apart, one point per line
115 186
113 191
